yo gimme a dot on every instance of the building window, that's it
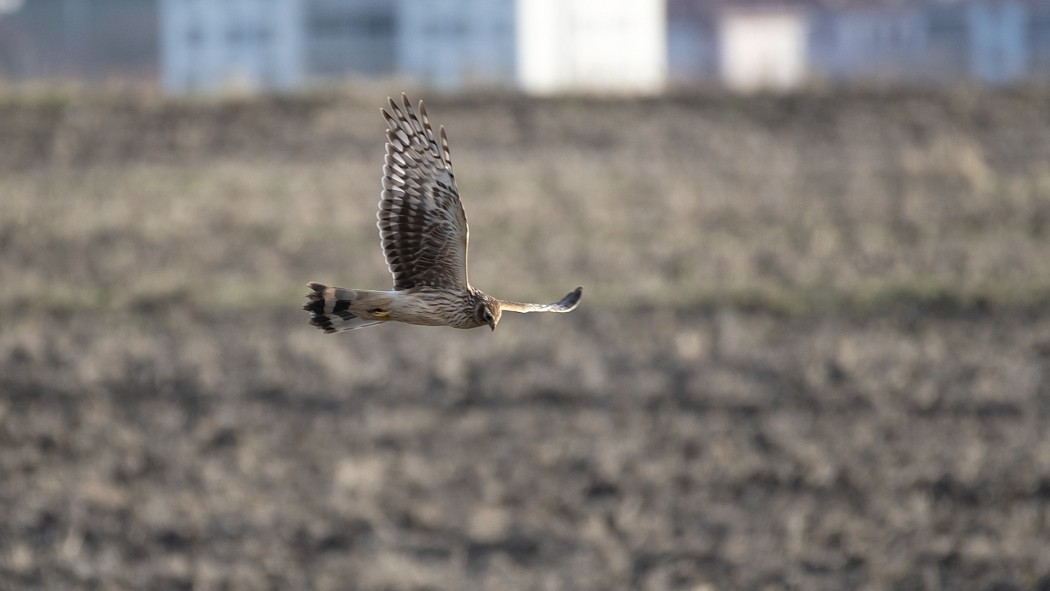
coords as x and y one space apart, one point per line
353 25
235 35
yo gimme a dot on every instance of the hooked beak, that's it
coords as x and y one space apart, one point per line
492 324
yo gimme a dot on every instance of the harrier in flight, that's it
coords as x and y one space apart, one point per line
423 231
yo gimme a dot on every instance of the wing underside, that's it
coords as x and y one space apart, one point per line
422 225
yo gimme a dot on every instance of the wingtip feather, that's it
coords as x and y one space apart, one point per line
572 299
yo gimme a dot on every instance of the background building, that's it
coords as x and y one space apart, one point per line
535 46
780 44
235 44
344 38
763 47
873 43
453 44
88 41
692 42
592 45
998 40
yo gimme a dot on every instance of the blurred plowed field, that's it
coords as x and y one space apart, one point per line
813 350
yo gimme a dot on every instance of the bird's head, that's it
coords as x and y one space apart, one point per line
489 312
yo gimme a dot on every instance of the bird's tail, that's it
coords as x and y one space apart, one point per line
330 308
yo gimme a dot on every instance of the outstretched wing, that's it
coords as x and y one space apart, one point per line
422 225
566 304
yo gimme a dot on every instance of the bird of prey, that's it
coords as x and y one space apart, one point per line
423 231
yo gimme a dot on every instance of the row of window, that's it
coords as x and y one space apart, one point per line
234 36
340 27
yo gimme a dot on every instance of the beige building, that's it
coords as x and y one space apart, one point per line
763 48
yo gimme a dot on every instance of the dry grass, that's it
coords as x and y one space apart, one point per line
856 200
814 347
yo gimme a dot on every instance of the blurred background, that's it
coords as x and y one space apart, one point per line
539 46
813 350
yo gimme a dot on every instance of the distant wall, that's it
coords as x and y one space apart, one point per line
235 44
765 49
603 45
90 41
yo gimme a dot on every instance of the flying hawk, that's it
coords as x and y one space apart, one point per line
423 231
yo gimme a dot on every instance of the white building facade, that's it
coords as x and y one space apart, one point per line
763 48
249 45
592 45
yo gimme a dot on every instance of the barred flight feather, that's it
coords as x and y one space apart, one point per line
424 235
